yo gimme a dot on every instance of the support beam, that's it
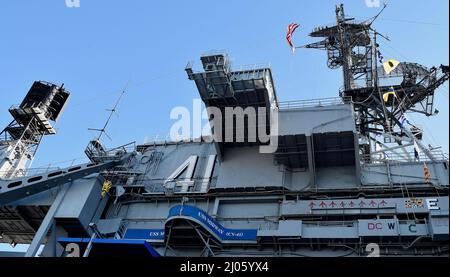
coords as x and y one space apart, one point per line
206 243
311 162
357 160
47 223
52 248
89 247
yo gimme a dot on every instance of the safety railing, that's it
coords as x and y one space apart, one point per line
347 223
168 140
35 109
354 223
97 153
299 104
252 67
214 52
45 169
403 157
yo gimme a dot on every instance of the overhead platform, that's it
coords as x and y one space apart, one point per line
43 103
222 87
353 27
19 224
113 247
47 97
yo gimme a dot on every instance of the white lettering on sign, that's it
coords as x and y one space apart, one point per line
156 234
189 167
432 204
73 250
373 249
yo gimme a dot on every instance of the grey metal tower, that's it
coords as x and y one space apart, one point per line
380 100
20 140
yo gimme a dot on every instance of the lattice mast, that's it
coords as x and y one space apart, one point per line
380 100
20 140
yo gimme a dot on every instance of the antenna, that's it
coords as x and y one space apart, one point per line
378 15
375 18
111 113
95 150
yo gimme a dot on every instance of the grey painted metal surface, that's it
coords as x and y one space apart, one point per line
11 254
401 173
240 195
286 228
323 192
81 206
14 190
319 119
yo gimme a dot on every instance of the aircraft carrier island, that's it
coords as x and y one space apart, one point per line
339 177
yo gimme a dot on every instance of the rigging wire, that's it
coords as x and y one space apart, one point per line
393 52
413 22
112 112
445 89
372 20
433 140
405 21
130 86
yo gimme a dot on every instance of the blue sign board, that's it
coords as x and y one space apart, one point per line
199 216
212 225
147 234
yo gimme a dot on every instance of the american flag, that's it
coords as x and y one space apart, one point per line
291 29
403 119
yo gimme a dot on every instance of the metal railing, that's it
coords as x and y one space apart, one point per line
347 223
402 157
158 141
35 108
299 104
354 223
252 67
47 168
96 152
214 52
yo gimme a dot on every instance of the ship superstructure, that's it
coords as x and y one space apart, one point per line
21 138
345 179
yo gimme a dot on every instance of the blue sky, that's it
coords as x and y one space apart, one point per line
100 47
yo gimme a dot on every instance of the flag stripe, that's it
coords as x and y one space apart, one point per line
291 29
